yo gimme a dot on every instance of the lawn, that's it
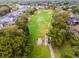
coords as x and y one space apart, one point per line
39 26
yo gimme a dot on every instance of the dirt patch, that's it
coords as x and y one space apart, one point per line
39 41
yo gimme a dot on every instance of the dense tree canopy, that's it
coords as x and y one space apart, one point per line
62 37
4 10
14 40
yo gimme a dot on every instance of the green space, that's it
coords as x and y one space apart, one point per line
38 27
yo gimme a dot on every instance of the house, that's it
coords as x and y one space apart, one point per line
73 21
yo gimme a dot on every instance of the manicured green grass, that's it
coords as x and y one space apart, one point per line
41 52
39 26
39 23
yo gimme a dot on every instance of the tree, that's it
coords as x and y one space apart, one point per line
31 10
77 51
67 51
23 24
11 47
58 31
62 37
14 43
4 9
62 14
